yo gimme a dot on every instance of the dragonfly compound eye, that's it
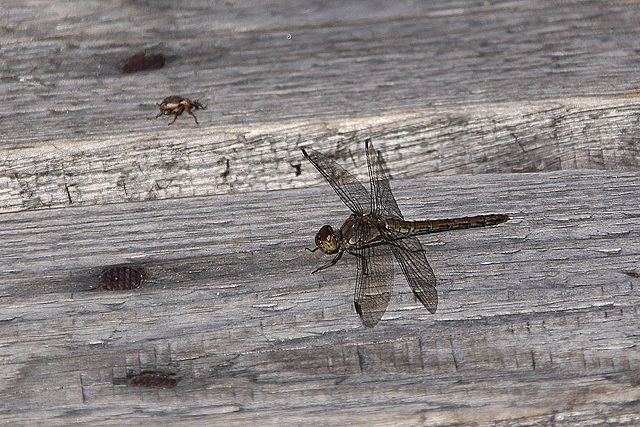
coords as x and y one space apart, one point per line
327 240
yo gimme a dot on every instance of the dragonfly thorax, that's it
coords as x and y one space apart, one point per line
328 240
360 230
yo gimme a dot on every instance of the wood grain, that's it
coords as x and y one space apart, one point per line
528 108
449 87
167 165
538 316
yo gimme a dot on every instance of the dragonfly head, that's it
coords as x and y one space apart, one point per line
328 240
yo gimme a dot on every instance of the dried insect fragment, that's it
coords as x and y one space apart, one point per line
297 167
153 379
176 105
142 62
225 174
121 278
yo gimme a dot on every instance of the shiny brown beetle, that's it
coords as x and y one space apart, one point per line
176 105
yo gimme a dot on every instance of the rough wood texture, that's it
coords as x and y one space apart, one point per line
537 321
538 316
445 87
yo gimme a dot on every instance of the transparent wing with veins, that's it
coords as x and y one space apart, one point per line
408 251
373 283
383 201
410 255
349 189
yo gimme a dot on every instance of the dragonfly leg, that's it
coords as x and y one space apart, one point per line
332 263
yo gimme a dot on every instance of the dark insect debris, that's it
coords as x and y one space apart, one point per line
225 173
297 167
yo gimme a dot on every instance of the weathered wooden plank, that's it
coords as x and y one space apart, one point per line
348 60
449 86
538 317
537 321
174 164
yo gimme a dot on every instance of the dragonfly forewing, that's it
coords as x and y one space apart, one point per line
349 189
383 201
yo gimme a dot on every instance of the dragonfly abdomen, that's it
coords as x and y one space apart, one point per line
432 226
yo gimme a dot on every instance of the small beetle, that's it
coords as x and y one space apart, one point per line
176 105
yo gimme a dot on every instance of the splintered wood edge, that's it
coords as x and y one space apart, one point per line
139 166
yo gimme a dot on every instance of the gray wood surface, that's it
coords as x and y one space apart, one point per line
537 322
445 87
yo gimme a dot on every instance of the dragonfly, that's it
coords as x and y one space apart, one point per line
376 232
